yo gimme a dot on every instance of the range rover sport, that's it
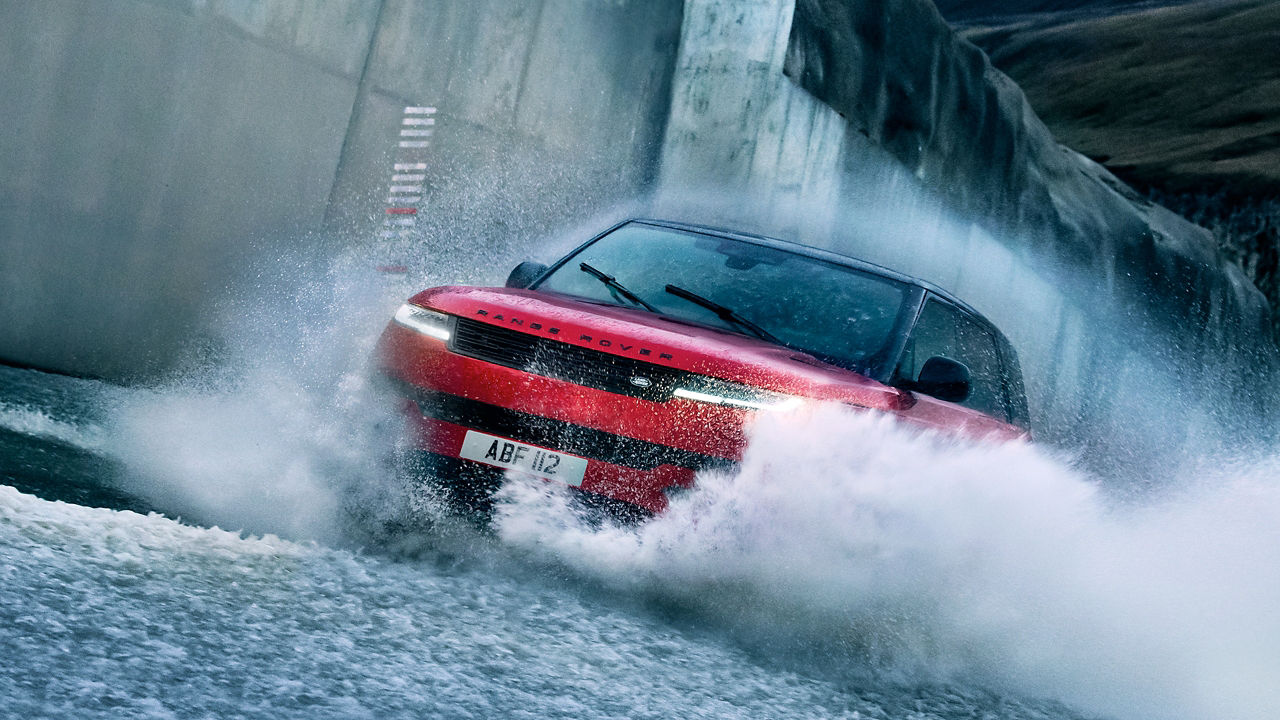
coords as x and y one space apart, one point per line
642 356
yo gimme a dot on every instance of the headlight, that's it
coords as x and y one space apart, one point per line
428 322
735 395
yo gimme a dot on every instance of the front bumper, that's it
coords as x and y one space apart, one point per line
636 449
626 469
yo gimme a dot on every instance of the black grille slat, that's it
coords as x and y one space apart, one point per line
494 344
560 360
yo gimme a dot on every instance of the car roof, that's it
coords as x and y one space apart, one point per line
801 249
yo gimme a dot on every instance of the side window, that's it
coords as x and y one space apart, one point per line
944 331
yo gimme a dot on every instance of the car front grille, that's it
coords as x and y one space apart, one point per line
494 344
571 363
556 434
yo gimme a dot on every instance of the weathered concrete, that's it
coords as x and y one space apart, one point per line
546 110
151 151
1176 321
143 146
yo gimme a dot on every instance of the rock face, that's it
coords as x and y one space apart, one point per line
1181 101
1184 98
971 10
868 127
969 134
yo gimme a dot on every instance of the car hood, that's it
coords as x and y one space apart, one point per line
648 337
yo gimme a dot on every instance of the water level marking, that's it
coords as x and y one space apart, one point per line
405 189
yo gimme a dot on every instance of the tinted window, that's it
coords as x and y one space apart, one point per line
837 313
944 331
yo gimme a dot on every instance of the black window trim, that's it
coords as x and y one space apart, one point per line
1015 405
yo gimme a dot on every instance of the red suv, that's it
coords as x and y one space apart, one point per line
640 357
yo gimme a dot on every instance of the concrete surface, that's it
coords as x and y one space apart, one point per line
143 147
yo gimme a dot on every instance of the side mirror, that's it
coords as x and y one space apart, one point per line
525 273
944 379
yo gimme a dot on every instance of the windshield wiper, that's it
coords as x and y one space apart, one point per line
724 313
616 287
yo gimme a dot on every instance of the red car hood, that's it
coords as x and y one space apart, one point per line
652 338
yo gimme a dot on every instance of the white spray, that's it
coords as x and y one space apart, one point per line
931 558
880 549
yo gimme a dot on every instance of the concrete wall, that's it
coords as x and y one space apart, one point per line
143 146
544 111
150 152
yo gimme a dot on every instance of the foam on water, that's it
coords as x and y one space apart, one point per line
37 422
877 547
114 614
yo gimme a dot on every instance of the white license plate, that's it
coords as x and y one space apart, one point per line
512 455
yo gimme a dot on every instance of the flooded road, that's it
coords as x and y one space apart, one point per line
906 576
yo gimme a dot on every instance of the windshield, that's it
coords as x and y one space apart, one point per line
841 315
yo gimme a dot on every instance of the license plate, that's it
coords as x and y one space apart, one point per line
531 459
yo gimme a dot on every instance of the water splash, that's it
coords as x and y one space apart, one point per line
842 537
38 422
279 433
281 427
897 551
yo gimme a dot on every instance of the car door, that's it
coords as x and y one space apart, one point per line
944 330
